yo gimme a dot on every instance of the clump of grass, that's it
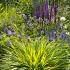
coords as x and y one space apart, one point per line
35 55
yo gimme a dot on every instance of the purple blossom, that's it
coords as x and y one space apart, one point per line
8 16
10 33
42 31
4 21
9 42
11 28
37 38
55 11
50 18
34 7
63 35
28 37
46 20
47 35
20 36
23 15
60 25
46 9
5 29
41 9
28 20
15 16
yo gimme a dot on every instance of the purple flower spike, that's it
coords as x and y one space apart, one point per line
50 13
9 33
40 9
55 11
46 9
34 7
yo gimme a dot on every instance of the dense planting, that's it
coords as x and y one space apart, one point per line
34 35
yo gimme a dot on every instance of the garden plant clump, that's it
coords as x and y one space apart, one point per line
34 35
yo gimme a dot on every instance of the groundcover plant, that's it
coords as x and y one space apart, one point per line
34 35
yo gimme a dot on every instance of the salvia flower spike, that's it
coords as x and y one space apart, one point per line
35 8
40 9
50 18
55 11
46 9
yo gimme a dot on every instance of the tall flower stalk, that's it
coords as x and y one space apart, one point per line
50 18
46 9
41 9
35 8
55 11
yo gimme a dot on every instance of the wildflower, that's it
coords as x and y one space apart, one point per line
47 35
42 31
14 16
50 38
63 35
9 42
4 21
53 32
28 20
55 11
8 16
60 25
28 37
23 15
62 18
10 33
11 28
34 7
20 36
50 18
46 20
5 29
37 38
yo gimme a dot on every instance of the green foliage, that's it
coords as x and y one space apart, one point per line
32 54
35 55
